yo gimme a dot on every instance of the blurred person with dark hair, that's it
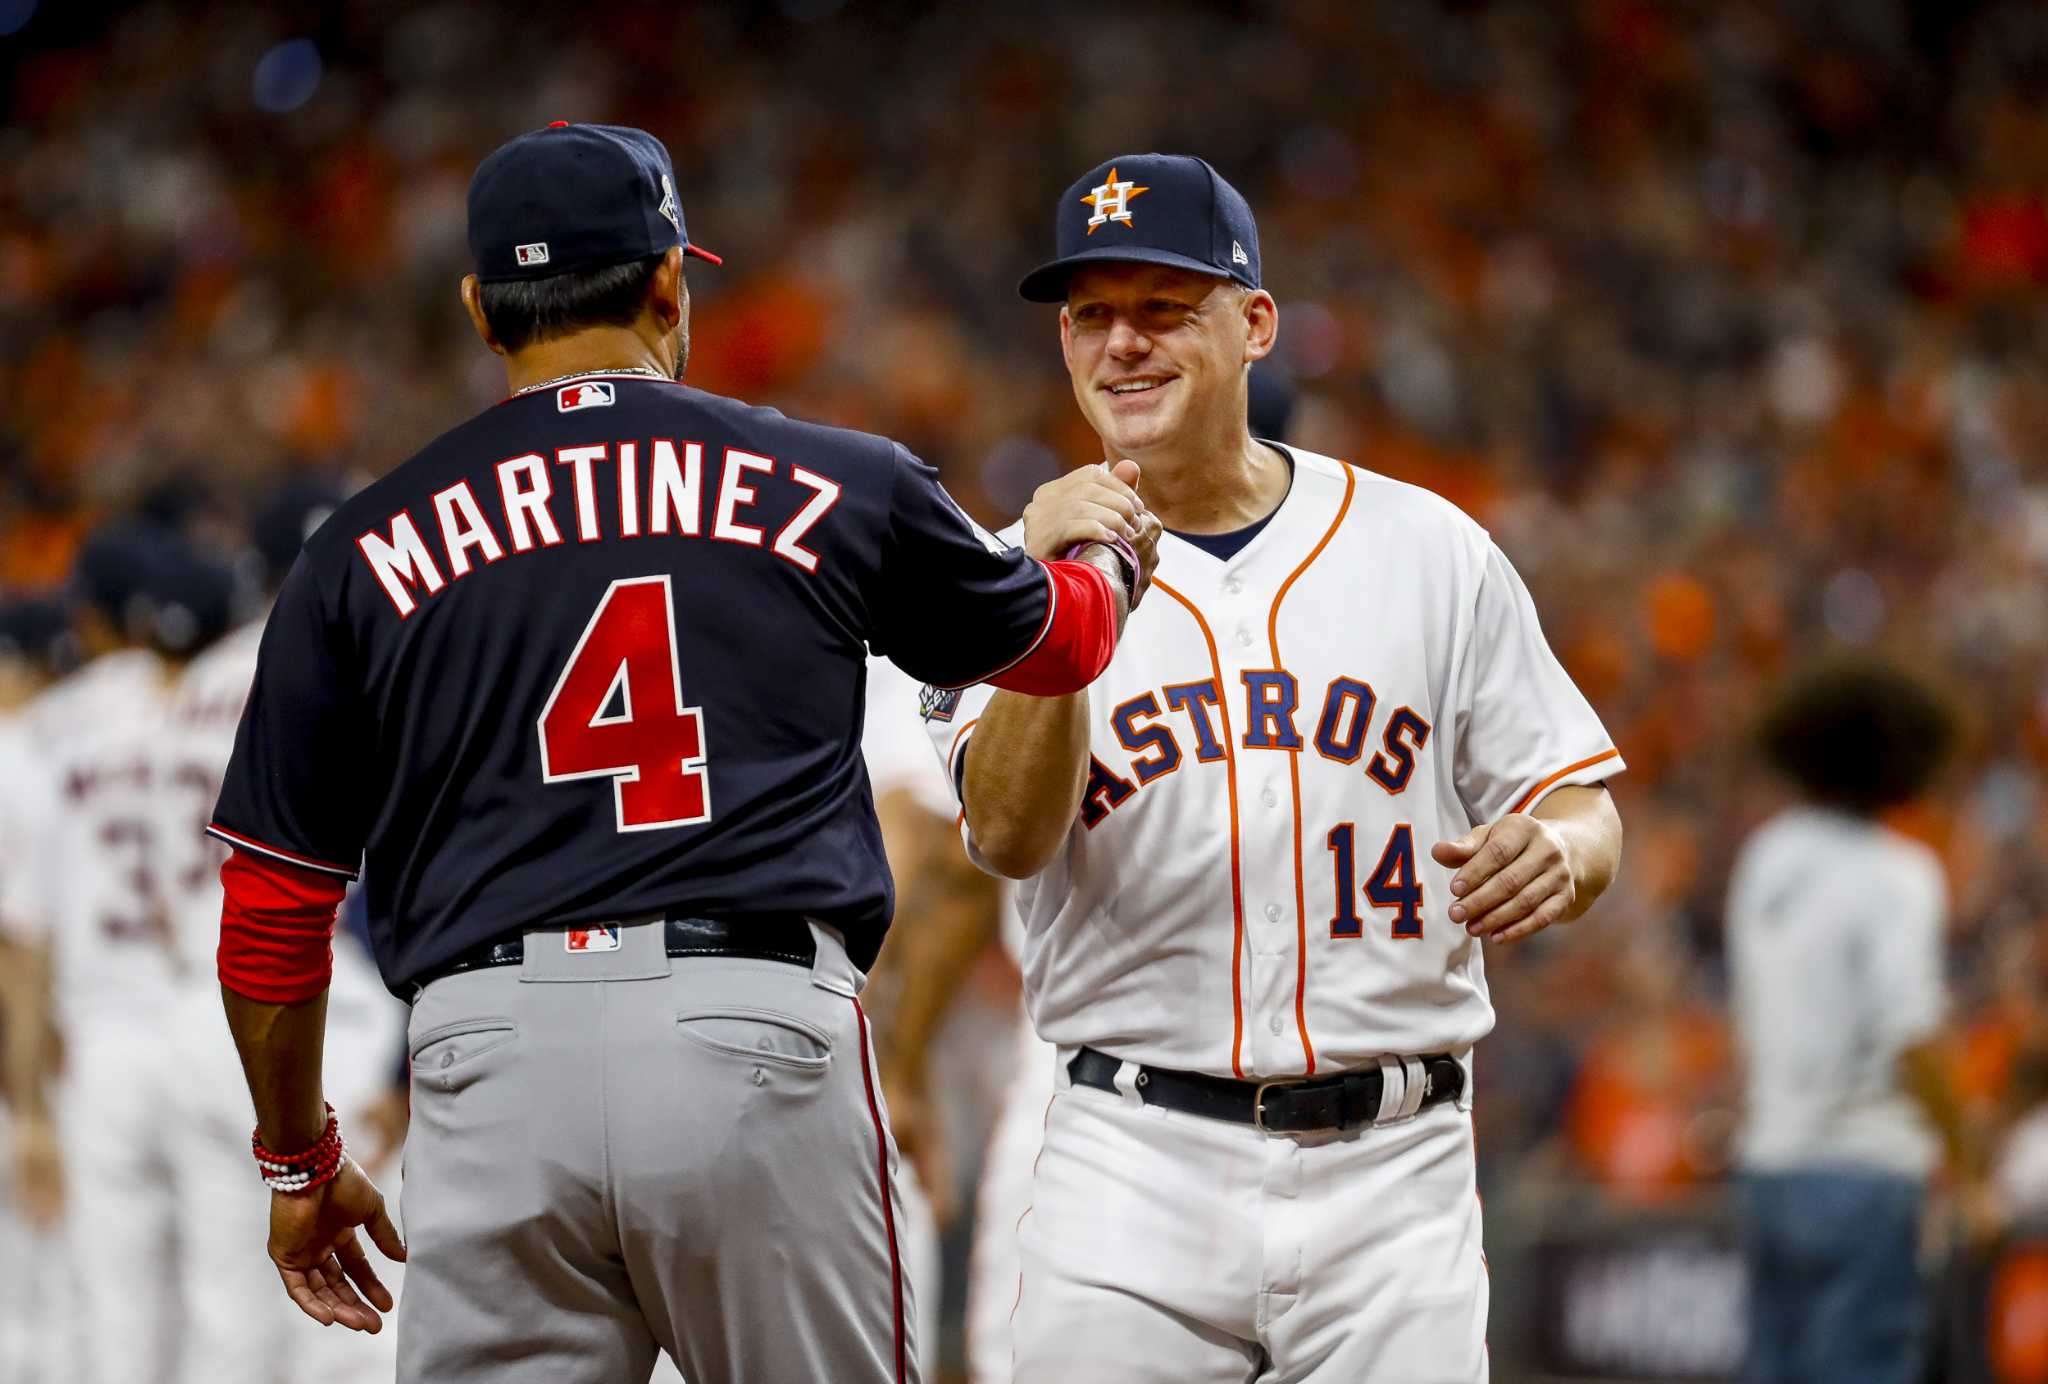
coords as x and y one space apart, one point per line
146 602
234 1328
34 1278
1835 941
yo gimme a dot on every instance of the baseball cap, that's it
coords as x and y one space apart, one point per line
573 197
287 517
1150 209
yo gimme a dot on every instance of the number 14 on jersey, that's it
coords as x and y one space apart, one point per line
1392 884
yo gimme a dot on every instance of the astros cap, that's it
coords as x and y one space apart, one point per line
1150 209
573 197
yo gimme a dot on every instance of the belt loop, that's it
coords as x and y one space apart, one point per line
1418 1086
1127 1083
831 968
1393 1090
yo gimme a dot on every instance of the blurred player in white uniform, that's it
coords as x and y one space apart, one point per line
1259 856
916 815
238 1329
111 962
35 1288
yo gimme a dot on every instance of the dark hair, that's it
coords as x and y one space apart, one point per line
1860 736
523 311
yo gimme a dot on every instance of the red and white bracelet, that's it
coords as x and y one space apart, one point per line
307 1169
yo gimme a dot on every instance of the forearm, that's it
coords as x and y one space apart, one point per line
281 1046
26 1059
1923 1070
1027 765
1586 820
936 951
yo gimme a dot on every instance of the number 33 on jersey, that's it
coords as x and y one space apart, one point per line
1279 741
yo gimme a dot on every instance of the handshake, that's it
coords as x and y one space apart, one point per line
1096 505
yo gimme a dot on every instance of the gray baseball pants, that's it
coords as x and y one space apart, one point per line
616 1152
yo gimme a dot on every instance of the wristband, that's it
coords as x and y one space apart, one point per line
1125 554
306 1169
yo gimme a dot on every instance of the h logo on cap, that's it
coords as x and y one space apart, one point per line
1112 201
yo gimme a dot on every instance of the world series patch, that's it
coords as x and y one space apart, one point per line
938 704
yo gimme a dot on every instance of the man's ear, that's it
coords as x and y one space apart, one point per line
1262 323
666 295
473 302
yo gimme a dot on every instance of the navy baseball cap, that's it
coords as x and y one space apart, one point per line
1150 209
574 197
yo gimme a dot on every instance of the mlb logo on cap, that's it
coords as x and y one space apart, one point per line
595 394
591 939
536 253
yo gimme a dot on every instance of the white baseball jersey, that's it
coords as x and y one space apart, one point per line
110 936
27 812
1834 968
1278 742
192 757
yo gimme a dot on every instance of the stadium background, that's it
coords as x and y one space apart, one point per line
1725 318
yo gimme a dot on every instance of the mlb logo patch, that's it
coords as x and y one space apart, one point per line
938 704
528 255
571 397
591 939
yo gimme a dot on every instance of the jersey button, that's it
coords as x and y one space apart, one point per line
1275 1025
1233 585
1269 797
1272 912
1244 638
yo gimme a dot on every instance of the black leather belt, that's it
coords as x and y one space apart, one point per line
767 936
1341 1102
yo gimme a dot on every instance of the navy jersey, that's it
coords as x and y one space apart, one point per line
599 652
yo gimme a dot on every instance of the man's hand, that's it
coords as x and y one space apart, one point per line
38 1171
313 1243
1093 504
1514 877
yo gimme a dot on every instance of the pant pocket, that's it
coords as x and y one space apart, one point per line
758 1035
445 1058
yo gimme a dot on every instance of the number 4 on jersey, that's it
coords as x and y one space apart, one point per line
1393 883
650 745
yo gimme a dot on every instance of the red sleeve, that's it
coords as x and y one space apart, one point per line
1079 643
276 928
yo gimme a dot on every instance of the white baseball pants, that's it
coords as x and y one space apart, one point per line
1163 1248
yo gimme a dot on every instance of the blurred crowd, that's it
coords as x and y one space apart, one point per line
1726 319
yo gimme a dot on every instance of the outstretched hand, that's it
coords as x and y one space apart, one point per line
1514 877
1094 504
313 1243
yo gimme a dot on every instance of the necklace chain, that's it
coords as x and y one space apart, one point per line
588 374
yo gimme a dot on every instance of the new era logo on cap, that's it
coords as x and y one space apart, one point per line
536 253
595 394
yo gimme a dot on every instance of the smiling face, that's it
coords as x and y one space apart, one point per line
1158 355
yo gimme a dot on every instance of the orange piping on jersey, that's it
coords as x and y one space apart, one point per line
1533 793
1236 869
951 751
1308 1051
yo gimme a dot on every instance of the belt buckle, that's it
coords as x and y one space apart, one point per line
1259 1105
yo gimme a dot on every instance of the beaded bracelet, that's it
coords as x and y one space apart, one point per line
306 1169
